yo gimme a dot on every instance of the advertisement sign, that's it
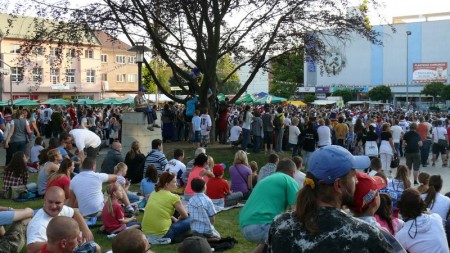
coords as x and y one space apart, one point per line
322 89
430 72
355 88
306 89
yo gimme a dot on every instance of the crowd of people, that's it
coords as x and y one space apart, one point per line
342 187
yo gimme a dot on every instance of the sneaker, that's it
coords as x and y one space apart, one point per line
150 128
156 125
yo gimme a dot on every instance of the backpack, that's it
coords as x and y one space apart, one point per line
277 122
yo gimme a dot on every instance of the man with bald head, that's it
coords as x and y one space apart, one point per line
112 158
54 206
62 234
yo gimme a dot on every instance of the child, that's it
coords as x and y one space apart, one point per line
424 179
196 129
375 166
34 154
254 167
148 183
299 176
384 215
235 133
294 132
121 171
113 218
201 211
351 139
205 126
219 191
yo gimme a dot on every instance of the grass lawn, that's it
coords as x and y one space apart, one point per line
226 221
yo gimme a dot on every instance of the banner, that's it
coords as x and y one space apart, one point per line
430 72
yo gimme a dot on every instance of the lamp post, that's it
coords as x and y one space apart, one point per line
408 33
5 72
140 49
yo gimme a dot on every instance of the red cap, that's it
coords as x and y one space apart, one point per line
379 120
366 190
218 169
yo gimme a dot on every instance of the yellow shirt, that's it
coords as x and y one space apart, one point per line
158 212
341 131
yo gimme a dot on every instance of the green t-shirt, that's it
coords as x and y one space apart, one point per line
158 212
271 196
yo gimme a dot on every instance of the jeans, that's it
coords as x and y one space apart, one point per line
397 147
425 151
257 233
246 139
148 114
13 148
178 228
306 157
256 144
229 200
294 149
279 139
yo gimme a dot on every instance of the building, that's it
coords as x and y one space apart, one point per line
100 66
260 82
416 54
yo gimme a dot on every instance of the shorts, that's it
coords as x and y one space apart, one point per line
268 137
205 138
436 148
6 217
196 136
257 233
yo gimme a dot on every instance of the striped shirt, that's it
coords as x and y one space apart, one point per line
156 158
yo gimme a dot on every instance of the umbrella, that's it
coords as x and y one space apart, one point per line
56 101
246 99
108 101
87 101
25 102
127 101
221 97
296 103
3 103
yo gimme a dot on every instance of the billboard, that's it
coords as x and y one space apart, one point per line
430 72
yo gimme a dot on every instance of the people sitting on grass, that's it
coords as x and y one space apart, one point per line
113 217
159 220
62 233
235 134
148 183
254 167
131 240
269 168
51 166
86 189
12 240
112 158
424 180
177 166
190 164
15 173
53 207
199 171
134 160
156 157
61 177
36 151
241 175
121 171
202 212
218 189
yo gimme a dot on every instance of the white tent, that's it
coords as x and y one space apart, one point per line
152 97
324 102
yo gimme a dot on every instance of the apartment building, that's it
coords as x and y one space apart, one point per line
99 67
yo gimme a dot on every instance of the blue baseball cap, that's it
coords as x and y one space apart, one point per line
332 162
142 89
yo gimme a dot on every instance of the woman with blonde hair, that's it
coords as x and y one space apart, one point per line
51 166
397 185
241 175
134 159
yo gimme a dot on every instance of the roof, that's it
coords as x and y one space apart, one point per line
110 42
23 27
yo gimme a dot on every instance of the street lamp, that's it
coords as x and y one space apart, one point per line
140 49
6 72
408 33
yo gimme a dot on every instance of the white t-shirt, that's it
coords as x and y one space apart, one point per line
404 125
248 121
429 235
87 187
396 133
441 205
287 121
175 166
37 228
84 138
439 133
205 124
294 132
324 134
235 132
299 178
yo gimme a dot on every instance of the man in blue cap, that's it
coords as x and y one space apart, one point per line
318 224
141 105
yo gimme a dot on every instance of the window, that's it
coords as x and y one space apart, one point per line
132 78
121 78
37 75
120 59
72 53
70 76
54 76
89 54
54 51
16 74
132 59
38 51
104 77
15 49
104 58
90 76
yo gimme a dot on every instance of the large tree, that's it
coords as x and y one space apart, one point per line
433 89
198 33
347 95
381 92
287 74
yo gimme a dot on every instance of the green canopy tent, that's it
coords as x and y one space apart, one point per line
108 101
221 97
269 99
246 99
87 101
3 103
56 101
25 102
127 101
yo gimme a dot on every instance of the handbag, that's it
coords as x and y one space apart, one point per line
395 161
18 191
